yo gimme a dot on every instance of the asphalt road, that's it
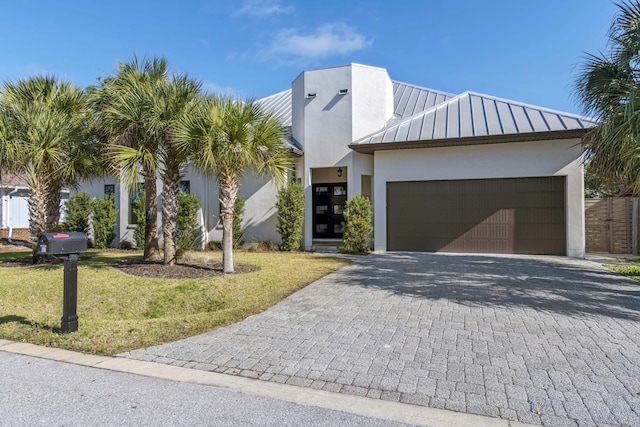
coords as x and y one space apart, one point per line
44 392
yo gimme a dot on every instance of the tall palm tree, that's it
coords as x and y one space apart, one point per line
123 105
608 88
46 124
175 98
231 137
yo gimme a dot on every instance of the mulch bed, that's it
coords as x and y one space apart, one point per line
180 271
153 269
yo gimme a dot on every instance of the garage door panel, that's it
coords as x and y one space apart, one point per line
517 215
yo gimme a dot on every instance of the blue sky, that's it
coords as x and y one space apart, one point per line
527 51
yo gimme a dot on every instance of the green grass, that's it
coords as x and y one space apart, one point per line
119 312
631 271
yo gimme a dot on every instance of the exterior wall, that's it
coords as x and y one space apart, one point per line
260 218
260 214
326 124
508 160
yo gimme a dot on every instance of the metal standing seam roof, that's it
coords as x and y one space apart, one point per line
422 114
408 100
280 105
473 115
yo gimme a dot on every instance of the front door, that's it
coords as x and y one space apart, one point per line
328 204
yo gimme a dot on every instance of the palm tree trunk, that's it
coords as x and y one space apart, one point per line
151 247
170 208
53 206
37 214
228 191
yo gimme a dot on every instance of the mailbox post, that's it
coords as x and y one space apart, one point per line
67 246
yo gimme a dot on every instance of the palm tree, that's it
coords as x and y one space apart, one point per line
174 99
45 126
608 88
231 137
123 104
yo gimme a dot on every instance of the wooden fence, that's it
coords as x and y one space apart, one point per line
611 225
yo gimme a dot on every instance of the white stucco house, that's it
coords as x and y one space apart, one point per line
14 208
444 172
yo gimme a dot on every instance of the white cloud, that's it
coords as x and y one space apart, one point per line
213 88
262 8
327 40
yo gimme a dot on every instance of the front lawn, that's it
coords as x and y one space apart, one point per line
119 311
632 270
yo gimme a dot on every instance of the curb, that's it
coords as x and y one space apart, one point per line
364 406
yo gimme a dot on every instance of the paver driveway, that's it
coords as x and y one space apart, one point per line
547 340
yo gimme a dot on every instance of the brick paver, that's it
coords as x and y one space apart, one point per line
542 340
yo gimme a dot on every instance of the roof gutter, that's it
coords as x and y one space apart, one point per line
370 148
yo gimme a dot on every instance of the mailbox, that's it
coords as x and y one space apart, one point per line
67 246
62 243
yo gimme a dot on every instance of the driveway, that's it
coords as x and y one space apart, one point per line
542 340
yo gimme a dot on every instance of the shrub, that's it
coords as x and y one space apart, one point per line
103 221
238 215
290 208
140 213
261 246
77 213
357 225
187 222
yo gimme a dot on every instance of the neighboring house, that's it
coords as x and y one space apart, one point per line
459 173
14 209
14 212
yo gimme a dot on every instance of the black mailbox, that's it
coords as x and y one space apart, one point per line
67 246
62 243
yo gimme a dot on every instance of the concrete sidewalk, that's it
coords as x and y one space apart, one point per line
334 409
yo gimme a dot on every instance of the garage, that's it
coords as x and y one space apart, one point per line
506 215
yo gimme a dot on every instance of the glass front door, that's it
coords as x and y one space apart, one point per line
328 204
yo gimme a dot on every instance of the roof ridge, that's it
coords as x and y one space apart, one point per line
423 88
525 104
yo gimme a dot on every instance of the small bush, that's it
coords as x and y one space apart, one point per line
77 213
140 213
357 225
290 208
238 216
103 221
261 246
187 222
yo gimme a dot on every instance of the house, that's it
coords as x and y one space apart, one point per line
14 208
14 212
457 173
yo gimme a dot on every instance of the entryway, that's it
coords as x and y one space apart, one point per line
328 205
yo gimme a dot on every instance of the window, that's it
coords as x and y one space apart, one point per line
109 190
185 187
134 194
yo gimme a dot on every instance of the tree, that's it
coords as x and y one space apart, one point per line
187 222
45 133
77 213
231 137
173 99
123 104
103 221
290 208
357 225
608 88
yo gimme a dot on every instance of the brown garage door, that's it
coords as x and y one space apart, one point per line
514 215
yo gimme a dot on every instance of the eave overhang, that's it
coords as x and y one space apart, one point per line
371 148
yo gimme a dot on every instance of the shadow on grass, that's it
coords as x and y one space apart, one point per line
32 325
